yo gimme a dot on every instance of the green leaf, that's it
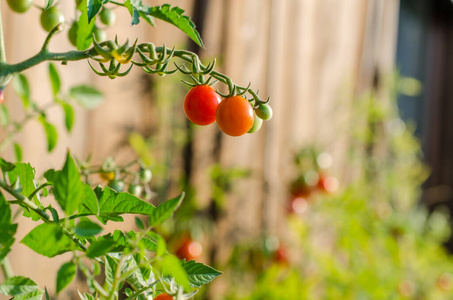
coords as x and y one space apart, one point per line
48 4
7 230
18 152
87 96
35 295
54 79
165 210
69 186
68 115
118 241
100 247
48 239
111 265
26 175
51 175
94 6
18 285
22 88
87 228
134 7
6 166
51 133
171 266
199 273
113 204
89 203
4 115
84 28
65 275
174 16
147 18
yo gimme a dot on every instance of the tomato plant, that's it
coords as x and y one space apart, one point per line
235 116
200 104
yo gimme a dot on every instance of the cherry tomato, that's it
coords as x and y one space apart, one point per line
145 175
117 185
297 205
190 250
51 17
99 34
200 104
20 6
72 34
281 255
163 296
135 190
235 116
257 122
264 111
328 183
107 16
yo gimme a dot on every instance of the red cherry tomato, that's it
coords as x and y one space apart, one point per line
328 183
281 255
200 104
190 250
235 116
164 297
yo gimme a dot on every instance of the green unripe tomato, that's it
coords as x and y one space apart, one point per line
20 6
72 34
99 34
117 185
135 190
257 122
107 16
264 111
145 175
51 17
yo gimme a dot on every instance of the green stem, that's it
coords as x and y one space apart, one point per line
6 268
137 293
116 279
2 41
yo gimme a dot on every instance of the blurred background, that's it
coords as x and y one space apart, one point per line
346 192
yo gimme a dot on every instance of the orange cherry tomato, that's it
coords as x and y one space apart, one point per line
164 297
235 116
190 250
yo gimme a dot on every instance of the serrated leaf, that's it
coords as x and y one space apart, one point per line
121 241
87 96
7 230
165 210
174 15
84 28
22 88
48 239
48 4
4 115
68 188
65 275
51 133
199 273
94 6
89 204
68 115
54 79
18 285
113 204
87 228
26 175
18 152
100 247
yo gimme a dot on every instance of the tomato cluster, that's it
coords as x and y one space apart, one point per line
313 176
235 115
